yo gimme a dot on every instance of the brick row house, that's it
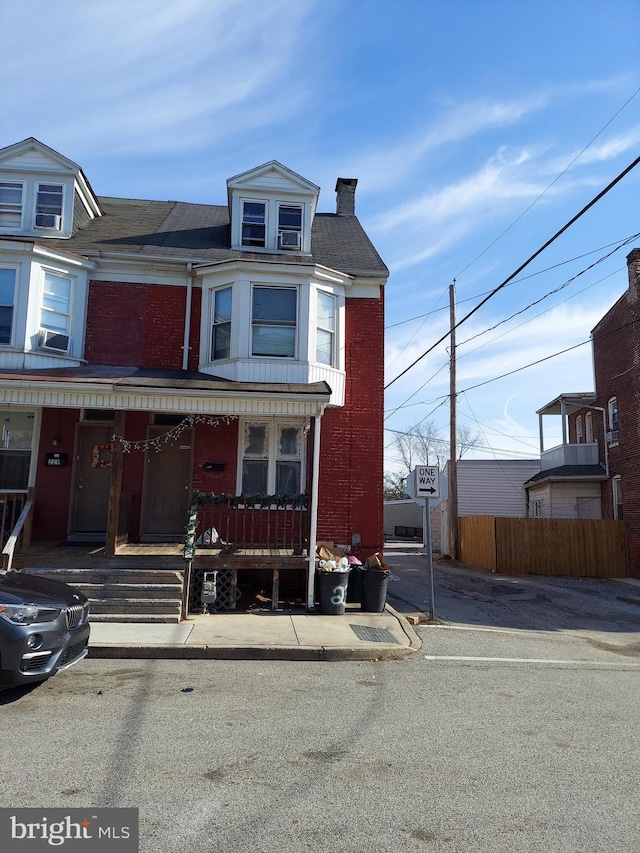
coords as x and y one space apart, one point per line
154 350
595 473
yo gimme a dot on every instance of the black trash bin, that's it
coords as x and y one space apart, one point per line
354 590
332 592
374 590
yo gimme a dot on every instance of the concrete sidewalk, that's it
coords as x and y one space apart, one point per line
261 635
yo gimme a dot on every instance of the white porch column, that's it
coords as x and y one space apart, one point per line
313 508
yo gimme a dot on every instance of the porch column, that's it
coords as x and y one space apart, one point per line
115 487
313 507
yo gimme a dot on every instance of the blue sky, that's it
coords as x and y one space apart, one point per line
456 117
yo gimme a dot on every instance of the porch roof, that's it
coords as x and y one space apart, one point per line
568 472
572 402
101 386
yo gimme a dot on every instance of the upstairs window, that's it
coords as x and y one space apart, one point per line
612 408
221 330
254 223
289 226
273 321
272 459
579 434
7 294
326 329
49 206
588 426
10 204
617 498
55 313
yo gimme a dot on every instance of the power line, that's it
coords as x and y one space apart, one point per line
516 281
542 248
554 181
551 292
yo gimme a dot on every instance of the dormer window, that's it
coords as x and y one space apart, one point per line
254 223
49 206
10 204
289 226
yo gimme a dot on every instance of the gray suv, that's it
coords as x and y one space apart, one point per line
44 627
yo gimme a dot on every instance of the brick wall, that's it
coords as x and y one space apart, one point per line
351 465
616 346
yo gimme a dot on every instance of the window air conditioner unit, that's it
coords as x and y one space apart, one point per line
290 239
49 220
612 436
55 341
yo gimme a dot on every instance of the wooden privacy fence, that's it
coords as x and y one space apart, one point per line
582 548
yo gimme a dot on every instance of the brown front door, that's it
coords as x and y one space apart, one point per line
167 485
90 503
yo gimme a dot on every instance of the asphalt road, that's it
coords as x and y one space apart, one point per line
491 738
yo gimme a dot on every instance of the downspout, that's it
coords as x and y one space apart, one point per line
187 318
313 521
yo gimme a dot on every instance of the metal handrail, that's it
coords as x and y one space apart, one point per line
23 523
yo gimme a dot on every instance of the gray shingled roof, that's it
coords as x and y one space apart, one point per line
589 472
201 233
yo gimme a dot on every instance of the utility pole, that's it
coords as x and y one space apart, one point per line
452 500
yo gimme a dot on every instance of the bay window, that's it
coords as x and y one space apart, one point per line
221 327
55 313
273 321
7 295
326 329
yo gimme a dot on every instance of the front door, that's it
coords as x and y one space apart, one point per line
90 504
167 485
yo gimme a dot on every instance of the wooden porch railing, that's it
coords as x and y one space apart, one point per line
258 526
16 516
245 523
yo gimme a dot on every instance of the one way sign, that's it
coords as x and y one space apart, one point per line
427 481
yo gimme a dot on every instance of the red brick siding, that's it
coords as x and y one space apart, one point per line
215 444
616 346
351 457
135 324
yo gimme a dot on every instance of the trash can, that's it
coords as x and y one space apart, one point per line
374 590
354 590
332 592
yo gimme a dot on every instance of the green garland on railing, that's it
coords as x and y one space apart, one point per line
262 501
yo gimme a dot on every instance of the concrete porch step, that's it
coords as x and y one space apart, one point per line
79 576
128 590
152 606
154 618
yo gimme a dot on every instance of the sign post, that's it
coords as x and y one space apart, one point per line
426 487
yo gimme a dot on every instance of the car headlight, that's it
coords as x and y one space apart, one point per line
27 614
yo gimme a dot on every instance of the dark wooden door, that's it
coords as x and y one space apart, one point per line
167 485
91 482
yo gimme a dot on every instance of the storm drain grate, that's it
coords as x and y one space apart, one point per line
374 635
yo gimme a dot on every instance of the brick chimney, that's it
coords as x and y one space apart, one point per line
633 266
346 196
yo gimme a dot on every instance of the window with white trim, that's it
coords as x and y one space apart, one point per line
289 226
579 433
16 433
55 312
7 297
10 204
49 206
254 223
612 408
588 428
274 312
221 325
272 459
617 498
326 329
